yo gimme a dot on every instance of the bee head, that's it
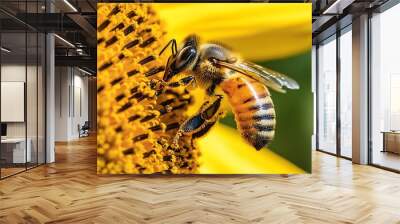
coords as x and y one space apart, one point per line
183 59
179 62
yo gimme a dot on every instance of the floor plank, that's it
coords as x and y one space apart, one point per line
69 191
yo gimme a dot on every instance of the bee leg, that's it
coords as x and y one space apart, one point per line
211 89
208 111
159 85
182 82
202 121
188 127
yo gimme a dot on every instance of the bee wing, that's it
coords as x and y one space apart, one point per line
273 79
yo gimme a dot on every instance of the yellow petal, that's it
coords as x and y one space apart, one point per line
258 31
223 151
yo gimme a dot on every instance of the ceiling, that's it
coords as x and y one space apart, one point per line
332 15
72 20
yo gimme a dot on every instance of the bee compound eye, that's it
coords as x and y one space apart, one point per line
185 56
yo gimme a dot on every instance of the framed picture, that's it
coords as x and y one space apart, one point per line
204 88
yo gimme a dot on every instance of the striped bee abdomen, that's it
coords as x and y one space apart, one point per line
253 108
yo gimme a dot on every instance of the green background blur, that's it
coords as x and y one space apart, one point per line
294 111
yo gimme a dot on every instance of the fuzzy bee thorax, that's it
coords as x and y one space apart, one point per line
206 74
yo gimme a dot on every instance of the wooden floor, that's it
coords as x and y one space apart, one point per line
10 171
69 191
387 159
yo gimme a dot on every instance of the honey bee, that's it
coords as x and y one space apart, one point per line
211 65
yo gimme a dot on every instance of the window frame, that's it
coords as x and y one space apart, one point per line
337 35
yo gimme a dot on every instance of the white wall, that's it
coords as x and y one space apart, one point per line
80 102
13 73
33 127
71 102
13 100
61 103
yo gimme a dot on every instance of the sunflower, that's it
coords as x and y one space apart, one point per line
137 121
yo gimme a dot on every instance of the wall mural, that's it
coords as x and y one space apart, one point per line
204 88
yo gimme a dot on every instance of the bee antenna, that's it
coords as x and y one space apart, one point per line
173 47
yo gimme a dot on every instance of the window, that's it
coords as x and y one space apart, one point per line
22 77
327 95
335 74
394 102
385 89
346 92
